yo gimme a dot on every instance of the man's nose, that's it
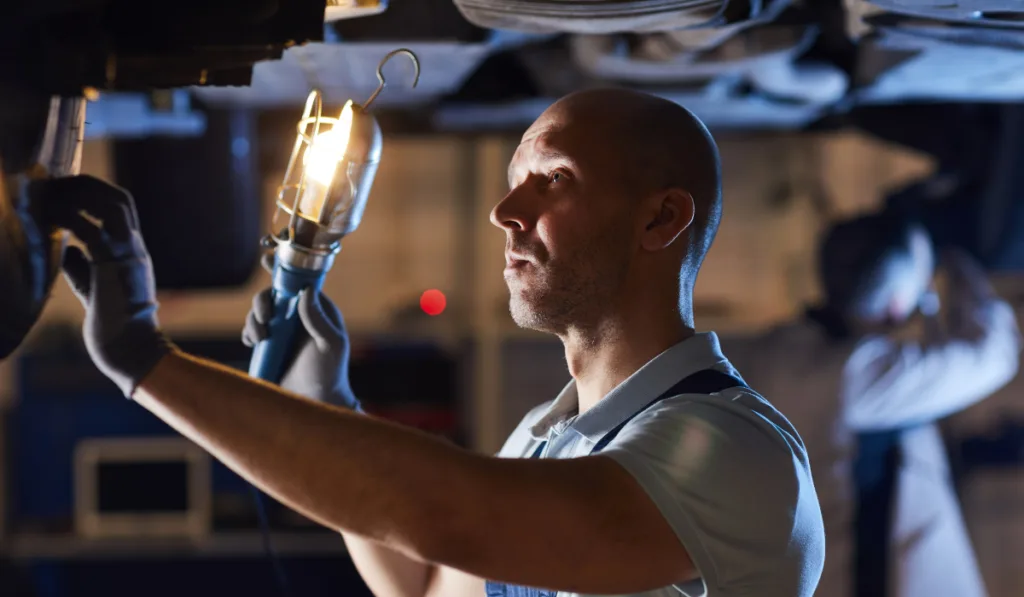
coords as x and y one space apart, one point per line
512 213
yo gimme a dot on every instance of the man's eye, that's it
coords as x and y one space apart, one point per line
555 177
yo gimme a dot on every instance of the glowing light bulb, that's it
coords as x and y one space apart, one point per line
321 162
328 148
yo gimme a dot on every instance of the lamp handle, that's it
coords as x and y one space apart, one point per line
271 356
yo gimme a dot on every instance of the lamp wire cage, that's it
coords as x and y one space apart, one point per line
294 183
308 129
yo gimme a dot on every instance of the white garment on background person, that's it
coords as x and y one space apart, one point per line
832 389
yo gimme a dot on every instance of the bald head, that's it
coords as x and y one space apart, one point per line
652 144
614 200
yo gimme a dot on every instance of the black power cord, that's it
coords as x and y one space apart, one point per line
275 561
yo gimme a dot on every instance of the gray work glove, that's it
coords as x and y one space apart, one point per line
116 285
320 367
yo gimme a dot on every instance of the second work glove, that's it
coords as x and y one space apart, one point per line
319 369
115 284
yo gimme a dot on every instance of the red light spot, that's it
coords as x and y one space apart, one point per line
433 302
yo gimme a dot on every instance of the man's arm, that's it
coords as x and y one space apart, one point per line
890 382
420 496
387 572
392 574
319 371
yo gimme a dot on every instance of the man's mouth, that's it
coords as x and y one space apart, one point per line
515 263
513 260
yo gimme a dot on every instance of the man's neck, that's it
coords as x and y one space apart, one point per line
603 356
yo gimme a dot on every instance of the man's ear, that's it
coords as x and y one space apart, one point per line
671 212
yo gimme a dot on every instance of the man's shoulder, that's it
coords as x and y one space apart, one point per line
731 476
737 431
736 415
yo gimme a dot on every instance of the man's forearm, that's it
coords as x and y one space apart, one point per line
421 496
350 472
387 572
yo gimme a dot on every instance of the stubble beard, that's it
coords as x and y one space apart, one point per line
554 299
570 291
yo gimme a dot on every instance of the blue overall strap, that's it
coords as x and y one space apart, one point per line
707 381
875 472
500 590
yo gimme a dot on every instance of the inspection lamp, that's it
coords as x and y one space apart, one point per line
320 201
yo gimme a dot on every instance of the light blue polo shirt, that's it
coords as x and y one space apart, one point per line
728 472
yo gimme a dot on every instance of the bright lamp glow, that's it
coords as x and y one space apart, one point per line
330 171
320 162
328 148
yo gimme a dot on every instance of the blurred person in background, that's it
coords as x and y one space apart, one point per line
864 380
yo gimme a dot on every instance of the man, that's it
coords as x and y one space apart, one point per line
865 388
614 200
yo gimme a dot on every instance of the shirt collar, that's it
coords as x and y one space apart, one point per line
698 352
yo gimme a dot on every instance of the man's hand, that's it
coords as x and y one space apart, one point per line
116 285
320 367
